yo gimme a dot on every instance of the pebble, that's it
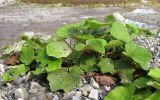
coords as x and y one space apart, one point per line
93 94
33 98
75 98
18 80
41 97
78 94
107 88
55 97
87 88
35 87
94 83
69 95
85 93
21 93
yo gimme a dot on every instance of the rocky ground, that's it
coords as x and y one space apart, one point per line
21 18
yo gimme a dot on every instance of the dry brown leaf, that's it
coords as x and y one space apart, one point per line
12 60
105 80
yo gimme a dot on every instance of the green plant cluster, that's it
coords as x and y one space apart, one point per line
92 46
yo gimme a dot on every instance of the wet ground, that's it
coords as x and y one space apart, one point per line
17 19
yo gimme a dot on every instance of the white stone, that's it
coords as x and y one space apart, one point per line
75 98
94 83
35 87
20 99
22 93
55 97
143 11
29 35
85 93
18 46
119 17
87 88
2 70
78 93
93 94
107 88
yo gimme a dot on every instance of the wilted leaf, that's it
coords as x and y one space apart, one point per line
58 49
120 32
12 60
107 65
105 80
97 45
138 54
155 74
27 55
62 79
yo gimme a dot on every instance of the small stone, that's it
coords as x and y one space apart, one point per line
107 88
69 95
87 88
78 93
18 80
93 94
55 97
94 83
85 93
75 98
41 97
2 68
119 17
21 93
35 87
33 98
49 96
20 99
84 81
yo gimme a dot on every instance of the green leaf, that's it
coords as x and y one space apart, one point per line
54 65
82 37
154 84
97 45
62 79
67 30
142 94
87 63
155 74
93 24
109 19
120 32
138 54
58 49
125 70
114 44
50 63
120 93
79 46
133 29
141 82
27 55
107 65
14 72
154 96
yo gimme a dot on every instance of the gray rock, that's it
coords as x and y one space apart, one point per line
119 17
18 80
85 93
35 88
94 83
78 94
41 97
55 97
87 88
69 95
49 95
75 98
21 93
107 88
20 99
33 98
93 94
